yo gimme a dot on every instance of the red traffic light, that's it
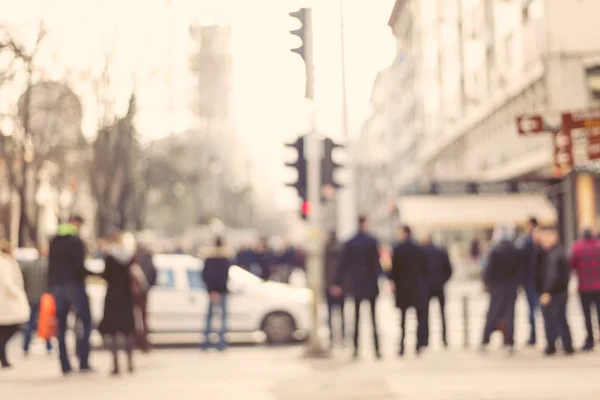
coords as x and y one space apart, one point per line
306 207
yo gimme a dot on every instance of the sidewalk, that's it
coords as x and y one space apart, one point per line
281 373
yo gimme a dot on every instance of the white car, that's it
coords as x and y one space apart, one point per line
179 301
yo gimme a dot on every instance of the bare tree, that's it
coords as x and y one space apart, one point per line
19 153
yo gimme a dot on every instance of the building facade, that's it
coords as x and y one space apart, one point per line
479 64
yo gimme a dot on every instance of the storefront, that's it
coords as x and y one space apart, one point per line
459 213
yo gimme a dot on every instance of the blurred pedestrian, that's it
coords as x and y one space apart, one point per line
439 273
501 278
528 277
585 261
35 275
333 254
144 258
409 278
67 274
264 260
555 292
360 264
14 307
118 322
216 275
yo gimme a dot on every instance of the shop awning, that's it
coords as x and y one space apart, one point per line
479 211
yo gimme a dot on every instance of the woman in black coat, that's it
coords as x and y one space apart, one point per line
118 320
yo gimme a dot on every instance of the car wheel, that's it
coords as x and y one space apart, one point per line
279 327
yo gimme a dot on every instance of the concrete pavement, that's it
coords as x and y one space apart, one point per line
259 373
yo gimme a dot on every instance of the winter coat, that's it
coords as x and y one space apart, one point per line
361 266
504 265
410 275
119 301
35 275
216 270
439 267
333 255
14 307
556 272
66 257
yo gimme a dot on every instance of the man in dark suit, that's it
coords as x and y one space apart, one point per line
360 263
409 278
439 273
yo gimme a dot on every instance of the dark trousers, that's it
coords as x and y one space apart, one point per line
555 322
501 308
422 326
332 304
587 300
533 301
67 297
31 327
440 295
220 304
372 303
6 332
142 331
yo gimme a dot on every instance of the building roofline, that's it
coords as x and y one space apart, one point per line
398 6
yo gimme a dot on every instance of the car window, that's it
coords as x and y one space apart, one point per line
165 278
195 280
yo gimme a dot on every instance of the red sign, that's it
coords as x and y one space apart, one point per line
563 153
593 144
582 119
530 124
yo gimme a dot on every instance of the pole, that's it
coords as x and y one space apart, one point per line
313 157
346 200
465 307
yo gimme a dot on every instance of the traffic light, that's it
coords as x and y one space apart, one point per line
300 32
300 166
305 209
329 166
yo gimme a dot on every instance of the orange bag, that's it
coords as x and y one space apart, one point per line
47 320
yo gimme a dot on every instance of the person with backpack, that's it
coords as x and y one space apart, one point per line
144 260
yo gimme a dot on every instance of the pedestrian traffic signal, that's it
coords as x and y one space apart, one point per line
305 209
329 166
300 166
300 32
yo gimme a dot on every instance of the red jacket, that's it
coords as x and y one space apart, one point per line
585 260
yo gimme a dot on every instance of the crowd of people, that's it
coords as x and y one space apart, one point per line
60 271
419 272
541 266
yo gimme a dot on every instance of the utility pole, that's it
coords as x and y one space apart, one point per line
313 157
346 224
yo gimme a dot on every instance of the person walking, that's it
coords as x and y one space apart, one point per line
144 258
555 293
585 261
333 254
439 272
360 264
118 321
35 276
501 278
409 278
528 278
14 307
216 275
66 275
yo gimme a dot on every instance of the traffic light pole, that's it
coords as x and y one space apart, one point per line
313 155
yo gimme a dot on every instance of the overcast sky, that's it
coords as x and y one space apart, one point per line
268 79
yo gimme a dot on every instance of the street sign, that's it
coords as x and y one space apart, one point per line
530 124
581 119
563 152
